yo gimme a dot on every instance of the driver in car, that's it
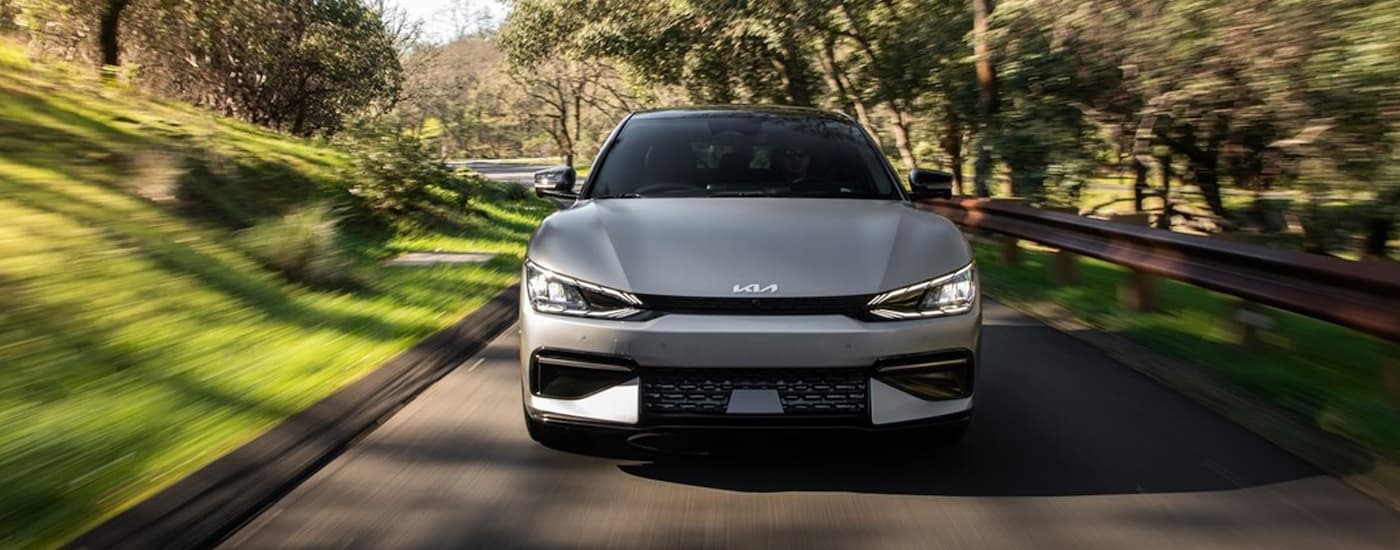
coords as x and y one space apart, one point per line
794 162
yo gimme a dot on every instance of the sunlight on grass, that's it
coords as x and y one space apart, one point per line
140 341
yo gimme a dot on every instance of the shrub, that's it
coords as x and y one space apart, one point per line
505 191
303 246
396 181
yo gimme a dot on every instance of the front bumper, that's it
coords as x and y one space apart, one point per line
751 343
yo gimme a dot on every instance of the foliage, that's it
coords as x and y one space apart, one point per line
1254 94
299 66
560 95
765 51
141 339
506 192
720 51
304 246
9 10
464 99
395 180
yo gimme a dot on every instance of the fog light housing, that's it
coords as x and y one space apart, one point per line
935 377
565 375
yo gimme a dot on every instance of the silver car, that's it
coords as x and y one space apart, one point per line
747 267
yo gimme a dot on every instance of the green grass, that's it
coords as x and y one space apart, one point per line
139 341
1321 373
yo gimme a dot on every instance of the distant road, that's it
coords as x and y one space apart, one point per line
502 171
1068 450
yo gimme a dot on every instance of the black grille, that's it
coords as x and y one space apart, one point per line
823 305
833 392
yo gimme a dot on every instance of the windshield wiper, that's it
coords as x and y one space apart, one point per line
749 193
620 196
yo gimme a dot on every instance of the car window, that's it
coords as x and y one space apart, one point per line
742 155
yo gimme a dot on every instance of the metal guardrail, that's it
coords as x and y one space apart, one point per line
1361 295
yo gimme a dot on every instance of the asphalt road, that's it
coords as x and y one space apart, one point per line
522 174
1067 450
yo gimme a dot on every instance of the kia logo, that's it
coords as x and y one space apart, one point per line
756 288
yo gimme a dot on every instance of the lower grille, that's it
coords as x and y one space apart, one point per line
807 391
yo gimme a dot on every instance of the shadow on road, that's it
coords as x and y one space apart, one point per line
1054 417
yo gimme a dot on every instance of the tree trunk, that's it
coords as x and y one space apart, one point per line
987 94
864 46
796 75
578 129
1139 183
1165 222
107 32
952 144
1207 178
838 82
1378 231
561 136
899 122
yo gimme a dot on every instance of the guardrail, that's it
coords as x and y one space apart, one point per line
1361 295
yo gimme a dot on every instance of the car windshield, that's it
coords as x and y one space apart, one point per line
742 155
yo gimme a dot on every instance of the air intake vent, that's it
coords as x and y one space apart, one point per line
812 391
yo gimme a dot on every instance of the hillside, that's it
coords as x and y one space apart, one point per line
141 336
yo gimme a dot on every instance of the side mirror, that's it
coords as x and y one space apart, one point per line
930 184
556 182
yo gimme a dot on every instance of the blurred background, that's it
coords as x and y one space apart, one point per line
199 197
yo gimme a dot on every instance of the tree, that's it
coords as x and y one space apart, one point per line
559 93
299 65
721 52
987 92
108 27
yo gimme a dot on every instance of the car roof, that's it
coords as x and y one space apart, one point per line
707 111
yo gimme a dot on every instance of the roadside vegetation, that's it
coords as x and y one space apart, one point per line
173 282
1247 96
1323 374
198 196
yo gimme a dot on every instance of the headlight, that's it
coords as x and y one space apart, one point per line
551 292
947 295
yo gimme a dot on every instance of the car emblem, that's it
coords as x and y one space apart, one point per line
756 288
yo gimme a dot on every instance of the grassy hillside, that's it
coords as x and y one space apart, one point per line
140 339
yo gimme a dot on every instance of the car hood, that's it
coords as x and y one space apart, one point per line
705 247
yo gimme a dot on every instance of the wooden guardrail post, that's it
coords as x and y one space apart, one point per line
1250 322
1138 292
1010 250
1389 374
1064 269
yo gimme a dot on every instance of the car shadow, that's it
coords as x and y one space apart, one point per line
1053 417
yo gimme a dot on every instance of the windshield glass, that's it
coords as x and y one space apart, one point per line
742 155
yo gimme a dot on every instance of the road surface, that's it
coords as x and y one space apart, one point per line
522 174
1067 450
